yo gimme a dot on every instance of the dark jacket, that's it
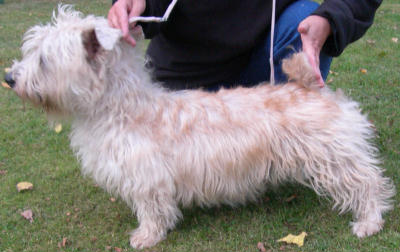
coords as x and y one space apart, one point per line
208 41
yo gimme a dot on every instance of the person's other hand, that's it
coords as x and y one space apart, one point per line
314 31
121 12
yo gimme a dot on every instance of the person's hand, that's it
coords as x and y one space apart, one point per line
314 31
121 12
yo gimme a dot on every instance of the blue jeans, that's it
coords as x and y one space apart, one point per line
286 41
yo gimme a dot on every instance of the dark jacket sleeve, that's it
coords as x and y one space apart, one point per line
349 20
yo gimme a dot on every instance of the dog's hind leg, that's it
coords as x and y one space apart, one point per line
372 195
157 212
354 183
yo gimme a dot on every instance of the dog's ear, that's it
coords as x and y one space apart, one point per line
107 36
91 44
100 38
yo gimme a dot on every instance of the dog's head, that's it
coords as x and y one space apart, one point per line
64 63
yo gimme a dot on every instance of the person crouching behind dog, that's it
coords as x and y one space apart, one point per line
214 44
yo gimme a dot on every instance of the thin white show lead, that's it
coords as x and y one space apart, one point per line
155 19
271 49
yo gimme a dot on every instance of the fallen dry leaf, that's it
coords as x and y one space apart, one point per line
24 186
363 70
333 72
371 42
116 249
390 122
3 172
294 239
27 214
112 199
329 81
395 40
261 247
7 69
291 198
58 128
63 243
5 85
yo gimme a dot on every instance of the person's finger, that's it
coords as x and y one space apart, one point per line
114 14
313 59
118 18
315 66
135 11
112 20
311 50
314 30
123 22
303 28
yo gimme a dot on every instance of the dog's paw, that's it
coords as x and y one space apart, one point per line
366 228
143 239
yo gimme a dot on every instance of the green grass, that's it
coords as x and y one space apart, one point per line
67 205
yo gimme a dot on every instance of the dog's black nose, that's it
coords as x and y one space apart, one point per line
9 79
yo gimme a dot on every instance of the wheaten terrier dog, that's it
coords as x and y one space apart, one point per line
159 149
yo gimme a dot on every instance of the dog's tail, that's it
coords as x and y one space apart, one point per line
299 70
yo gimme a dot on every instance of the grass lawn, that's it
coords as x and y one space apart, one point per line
66 205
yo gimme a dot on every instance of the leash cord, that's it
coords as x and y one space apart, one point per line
155 19
271 49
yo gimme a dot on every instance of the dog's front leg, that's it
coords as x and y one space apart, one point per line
157 212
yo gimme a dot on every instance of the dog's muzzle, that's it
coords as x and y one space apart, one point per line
9 79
